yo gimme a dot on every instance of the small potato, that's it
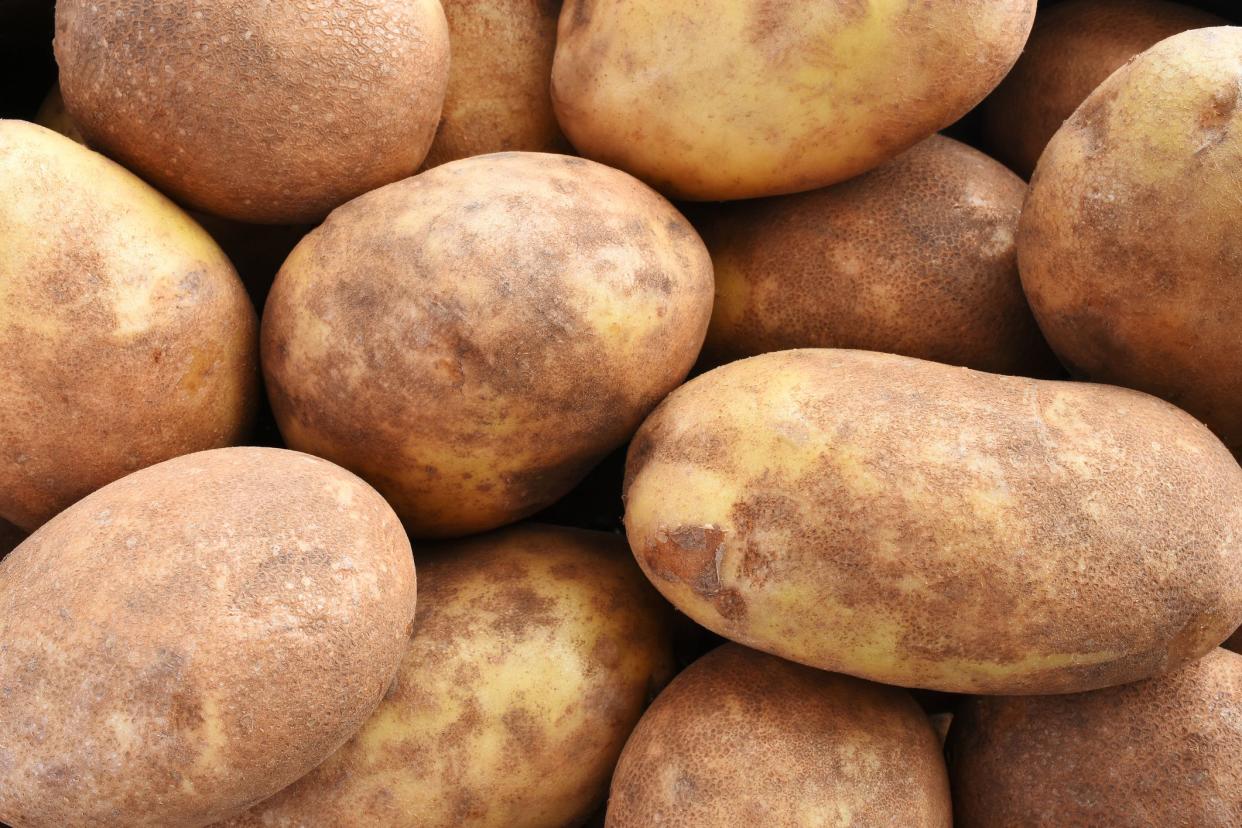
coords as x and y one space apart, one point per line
1160 752
474 339
535 650
1130 247
937 527
125 335
743 738
194 637
916 257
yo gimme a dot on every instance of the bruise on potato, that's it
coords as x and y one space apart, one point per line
937 527
916 257
535 650
194 637
1158 752
474 339
125 335
743 738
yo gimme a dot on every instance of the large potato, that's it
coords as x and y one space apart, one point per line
1073 48
271 112
534 652
474 339
1160 752
929 526
1129 245
125 335
194 637
742 738
737 100
916 257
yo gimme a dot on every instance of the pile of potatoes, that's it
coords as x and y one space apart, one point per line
381 446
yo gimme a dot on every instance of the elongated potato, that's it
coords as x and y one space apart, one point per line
929 526
192 638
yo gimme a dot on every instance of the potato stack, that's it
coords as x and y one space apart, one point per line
524 414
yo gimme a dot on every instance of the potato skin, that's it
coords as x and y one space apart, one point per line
937 527
125 335
743 738
1073 48
194 637
474 339
916 257
535 650
710 101
1129 245
1159 752
262 112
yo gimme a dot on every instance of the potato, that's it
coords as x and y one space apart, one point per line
929 526
742 738
916 257
1161 752
262 112
1129 246
52 115
713 101
194 637
473 340
125 335
498 96
534 652
1073 48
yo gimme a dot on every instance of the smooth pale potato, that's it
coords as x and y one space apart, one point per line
1073 48
474 339
743 738
262 112
1129 245
534 652
125 335
194 637
1160 752
711 101
916 257
929 526
498 96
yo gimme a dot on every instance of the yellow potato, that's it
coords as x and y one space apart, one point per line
125 335
916 257
473 340
742 738
1160 752
1129 244
737 100
194 637
535 650
937 527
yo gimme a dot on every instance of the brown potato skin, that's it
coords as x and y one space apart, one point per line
743 738
474 339
1073 48
272 113
917 257
1159 752
195 637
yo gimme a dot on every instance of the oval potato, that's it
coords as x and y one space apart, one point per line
194 637
937 527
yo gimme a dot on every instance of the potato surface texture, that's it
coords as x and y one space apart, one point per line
710 101
534 653
743 738
1159 752
194 637
929 526
474 339
271 112
125 335
1129 245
